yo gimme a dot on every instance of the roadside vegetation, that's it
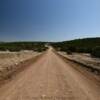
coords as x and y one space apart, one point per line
18 46
87 45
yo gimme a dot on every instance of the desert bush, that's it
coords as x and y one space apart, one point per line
71 49
96 51
68 52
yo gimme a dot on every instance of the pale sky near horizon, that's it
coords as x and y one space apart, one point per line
49 20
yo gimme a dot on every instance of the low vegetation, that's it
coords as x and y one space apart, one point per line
87 45
96 51
18 46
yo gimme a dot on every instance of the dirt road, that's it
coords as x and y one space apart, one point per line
51 78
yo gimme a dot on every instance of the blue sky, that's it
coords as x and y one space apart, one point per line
49 20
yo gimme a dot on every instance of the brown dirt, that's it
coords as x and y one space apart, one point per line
51 78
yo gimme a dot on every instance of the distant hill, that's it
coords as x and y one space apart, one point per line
86 45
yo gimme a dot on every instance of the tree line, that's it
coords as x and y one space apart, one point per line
87 45
18 46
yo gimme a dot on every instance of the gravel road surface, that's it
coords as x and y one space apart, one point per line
51 78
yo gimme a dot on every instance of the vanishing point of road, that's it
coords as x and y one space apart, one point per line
51 78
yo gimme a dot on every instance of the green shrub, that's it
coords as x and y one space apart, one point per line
69 52
96 51
71 49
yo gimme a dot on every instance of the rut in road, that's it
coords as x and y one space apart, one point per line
50 78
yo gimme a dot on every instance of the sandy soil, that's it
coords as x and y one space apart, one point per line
51 78
10 61
11 58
